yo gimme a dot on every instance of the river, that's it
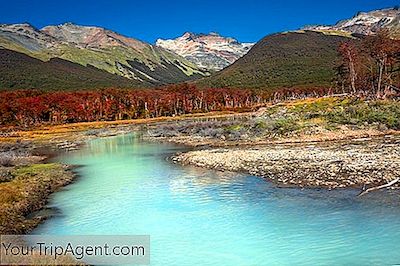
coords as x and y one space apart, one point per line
202 217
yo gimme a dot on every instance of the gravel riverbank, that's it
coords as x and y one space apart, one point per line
357 163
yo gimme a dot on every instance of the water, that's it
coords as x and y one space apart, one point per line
203 217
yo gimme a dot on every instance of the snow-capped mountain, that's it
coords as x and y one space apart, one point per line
101 48
366 22
210 51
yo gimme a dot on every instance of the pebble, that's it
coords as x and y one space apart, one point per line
333 165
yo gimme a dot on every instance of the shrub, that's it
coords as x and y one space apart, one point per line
285 125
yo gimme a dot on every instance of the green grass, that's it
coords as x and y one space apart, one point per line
311 118
330 113
283 126
348 111
152 65
378 112
27 192
233 128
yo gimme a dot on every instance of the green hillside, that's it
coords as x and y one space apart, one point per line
292 59
101 48
20 71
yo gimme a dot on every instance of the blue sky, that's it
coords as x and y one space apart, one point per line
246 20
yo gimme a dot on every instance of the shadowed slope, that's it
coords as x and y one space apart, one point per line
18 71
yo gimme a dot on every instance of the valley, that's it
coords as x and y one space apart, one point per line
225 148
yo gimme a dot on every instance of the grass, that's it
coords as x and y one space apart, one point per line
350 111
285 125
308 117
383 113
151 64
26 193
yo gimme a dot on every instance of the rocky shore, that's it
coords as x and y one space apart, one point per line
358 163
330 142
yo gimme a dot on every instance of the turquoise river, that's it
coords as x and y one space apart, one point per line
201 217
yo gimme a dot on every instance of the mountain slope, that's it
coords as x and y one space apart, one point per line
20 71
292 59
210 51
101 48
367 23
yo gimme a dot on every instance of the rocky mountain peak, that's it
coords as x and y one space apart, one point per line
211 51
91 36
22 28
101 48
26 35
366 23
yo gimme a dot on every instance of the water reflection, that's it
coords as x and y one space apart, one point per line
202 217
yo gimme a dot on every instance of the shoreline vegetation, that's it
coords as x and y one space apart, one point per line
332 142
27 178
328 142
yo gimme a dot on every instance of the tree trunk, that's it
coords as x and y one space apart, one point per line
352 73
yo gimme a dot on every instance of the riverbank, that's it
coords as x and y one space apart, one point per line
325 142
358 163
26 177
27 192
74 132
309 120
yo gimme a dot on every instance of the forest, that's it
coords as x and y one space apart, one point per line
25 108
369 68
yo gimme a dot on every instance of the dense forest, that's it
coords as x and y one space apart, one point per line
31 107
367 68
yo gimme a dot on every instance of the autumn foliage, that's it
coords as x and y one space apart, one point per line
31 107
25 108
371 66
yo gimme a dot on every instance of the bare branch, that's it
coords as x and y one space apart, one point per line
391 183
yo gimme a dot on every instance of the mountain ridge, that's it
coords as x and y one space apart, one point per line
206 50
104 49
304 57
366 23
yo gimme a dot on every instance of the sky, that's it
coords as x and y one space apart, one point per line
148 20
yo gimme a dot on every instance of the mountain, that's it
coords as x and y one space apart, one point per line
20 71
367 23
100 48
210 51
291 59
